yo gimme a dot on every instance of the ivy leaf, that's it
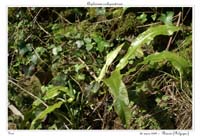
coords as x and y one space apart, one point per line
89 46
40 50
59 79
56 50
142 18
87 40
167 18
23 47
34 59
101 45
79 43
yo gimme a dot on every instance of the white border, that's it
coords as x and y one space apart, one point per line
3 70
196 70
83 3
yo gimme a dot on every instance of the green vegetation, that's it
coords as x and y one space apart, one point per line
100 68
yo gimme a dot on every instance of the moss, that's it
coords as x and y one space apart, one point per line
126 26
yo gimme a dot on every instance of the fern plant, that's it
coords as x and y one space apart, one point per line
117 87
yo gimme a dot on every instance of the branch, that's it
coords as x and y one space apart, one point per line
37 98
171 38
88 69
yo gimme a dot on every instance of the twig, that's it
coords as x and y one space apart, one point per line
177 24
37 98
38 56
92 56
105 21
42 28
35 18
62 17
152 24
171 38
41 40
88 69
35 21
11 78
99 104
186 14
28 38
77 83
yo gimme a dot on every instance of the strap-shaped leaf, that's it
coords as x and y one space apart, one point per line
109 59
177 61
55 90
44 113
123 111
120 95
144 38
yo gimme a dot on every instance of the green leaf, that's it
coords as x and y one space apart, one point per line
96 37
100 11
145 38
117 12
165 97
34 59
23 48
154 16
79 43
56 50
139 53
59 79
36 103
167 18
114 82
177 61
123 111
142 17
99 40
87 40
120 95
89 46
101 45
158 100
109 59
80 76
79 67
40 50
53 91
187 41
44 113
